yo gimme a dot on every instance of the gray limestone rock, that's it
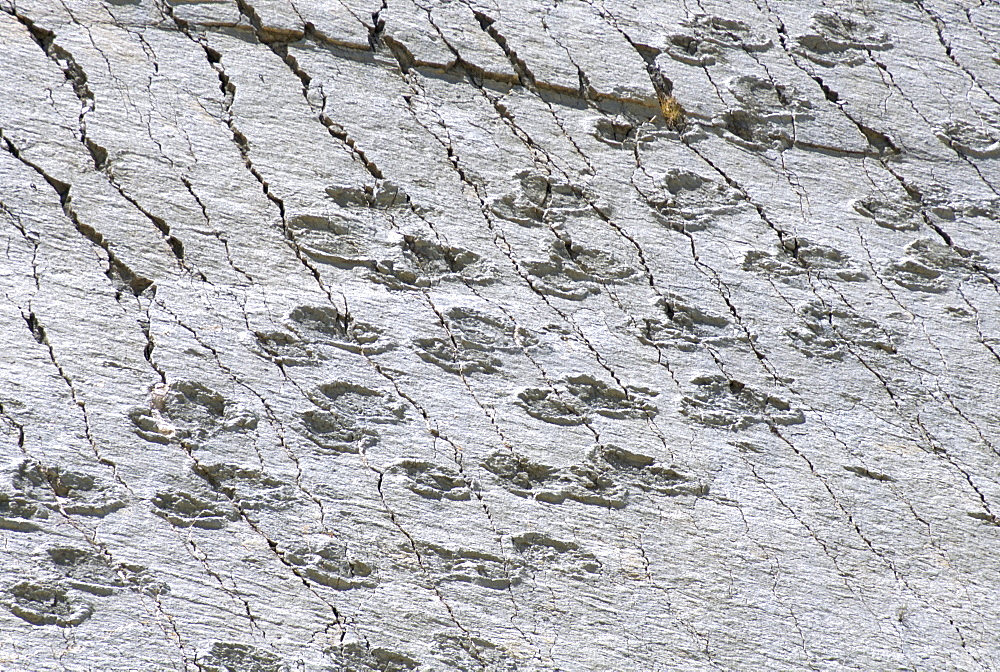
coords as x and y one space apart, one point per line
352 335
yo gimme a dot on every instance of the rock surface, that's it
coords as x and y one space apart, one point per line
454 335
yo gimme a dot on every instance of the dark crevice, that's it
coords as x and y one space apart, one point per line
77 77
117 272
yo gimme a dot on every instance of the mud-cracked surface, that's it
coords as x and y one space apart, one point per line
458 335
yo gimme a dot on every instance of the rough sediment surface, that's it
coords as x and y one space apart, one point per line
453 335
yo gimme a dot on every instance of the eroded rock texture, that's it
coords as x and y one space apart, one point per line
460 335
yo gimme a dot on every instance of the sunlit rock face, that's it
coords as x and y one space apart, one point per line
426 335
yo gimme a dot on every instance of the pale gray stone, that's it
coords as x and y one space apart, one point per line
462 335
